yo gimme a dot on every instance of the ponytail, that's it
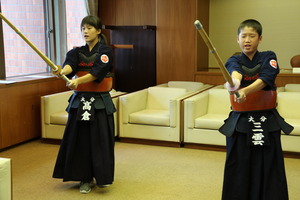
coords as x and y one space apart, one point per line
103 39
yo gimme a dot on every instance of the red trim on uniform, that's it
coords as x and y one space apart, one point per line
260 100
104 86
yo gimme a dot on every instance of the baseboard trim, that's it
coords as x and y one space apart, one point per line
50 141
150 142
205 147
289 154
286 154
209 147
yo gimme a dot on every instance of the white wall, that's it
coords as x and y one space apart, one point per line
280 20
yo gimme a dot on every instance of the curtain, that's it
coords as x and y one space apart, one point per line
92 7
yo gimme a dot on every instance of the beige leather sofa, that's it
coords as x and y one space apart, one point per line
54 117
204 114
289 108
5 179
154 113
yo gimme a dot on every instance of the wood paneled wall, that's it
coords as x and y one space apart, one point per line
20 110
128 12
176 48
141 12
181 53
176 36
201 48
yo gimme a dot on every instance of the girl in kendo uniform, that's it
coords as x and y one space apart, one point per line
86 153
254 168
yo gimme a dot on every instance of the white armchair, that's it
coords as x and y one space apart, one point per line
152 114
53 114
204 114
54 117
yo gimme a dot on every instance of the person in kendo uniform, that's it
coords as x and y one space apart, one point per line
254 167
86 153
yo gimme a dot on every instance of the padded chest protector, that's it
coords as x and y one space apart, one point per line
84 67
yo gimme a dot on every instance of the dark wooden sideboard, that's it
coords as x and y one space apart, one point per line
134 68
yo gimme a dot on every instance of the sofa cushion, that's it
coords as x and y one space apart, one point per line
219 102
210 121
159 97
151 117
59 118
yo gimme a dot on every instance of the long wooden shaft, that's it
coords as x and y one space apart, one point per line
45 58
209 44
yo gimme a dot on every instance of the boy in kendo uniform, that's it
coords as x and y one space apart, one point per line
254 168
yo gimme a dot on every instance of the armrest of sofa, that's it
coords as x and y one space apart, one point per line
132 102
162 85
54 103
280 89
194 107
188 85
175 107
174 112
115 94
5 178
292 87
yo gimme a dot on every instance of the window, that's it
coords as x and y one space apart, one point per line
42 22
75 12
28 17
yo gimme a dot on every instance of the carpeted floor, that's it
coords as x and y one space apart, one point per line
142 172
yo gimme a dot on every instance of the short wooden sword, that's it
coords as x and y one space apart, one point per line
56 69
212 49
